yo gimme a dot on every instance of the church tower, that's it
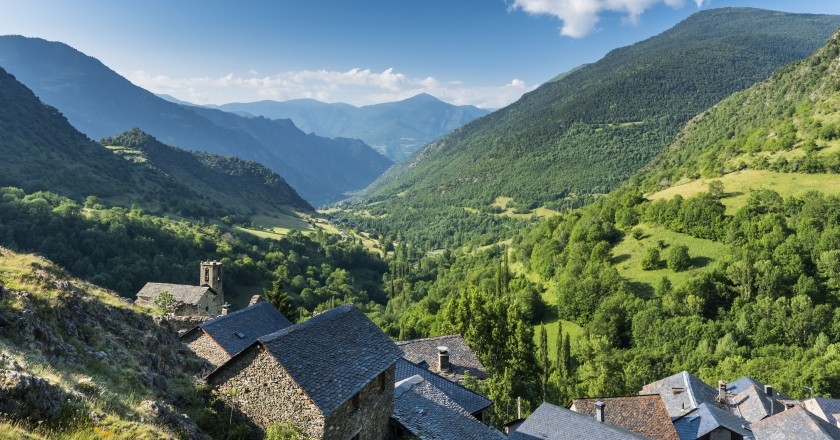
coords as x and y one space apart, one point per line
211 276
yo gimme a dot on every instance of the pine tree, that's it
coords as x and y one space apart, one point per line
544 363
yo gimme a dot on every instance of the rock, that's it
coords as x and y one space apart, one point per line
23 396
165 415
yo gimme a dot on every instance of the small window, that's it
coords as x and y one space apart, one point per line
380 381
240 335
354 402
206 274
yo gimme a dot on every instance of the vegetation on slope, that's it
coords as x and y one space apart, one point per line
99 102
589 131
42 151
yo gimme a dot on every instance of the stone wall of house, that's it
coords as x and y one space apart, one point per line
206 348
260 388
370 421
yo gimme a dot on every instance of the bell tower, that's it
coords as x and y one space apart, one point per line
211 275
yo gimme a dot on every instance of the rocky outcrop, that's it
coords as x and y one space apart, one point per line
165 415
23 396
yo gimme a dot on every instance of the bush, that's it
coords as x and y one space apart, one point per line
283 431
651 260
678 258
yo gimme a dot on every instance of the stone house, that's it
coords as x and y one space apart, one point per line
645 415
332 376
206 300
475 404
421 410
223 337
448 356
551 422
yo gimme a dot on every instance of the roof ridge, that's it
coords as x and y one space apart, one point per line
236 313
309 323
408 341
449 382
689 388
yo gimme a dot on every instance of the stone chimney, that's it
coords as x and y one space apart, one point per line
256 299
599 411
721 391
443 359
225 308
768 389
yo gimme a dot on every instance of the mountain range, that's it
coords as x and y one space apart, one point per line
99 102
395 129
43 152
589 130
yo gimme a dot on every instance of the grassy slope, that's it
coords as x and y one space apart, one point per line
739 184
627 257
72 320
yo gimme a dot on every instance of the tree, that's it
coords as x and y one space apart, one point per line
280 299
716 189
678 258
543 363
651 260
165 303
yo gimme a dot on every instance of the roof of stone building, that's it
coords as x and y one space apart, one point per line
428 413
795 423
465 398
681 393
826 409
708 417
181 292
462 358
333 355
550 422
745 382
236 331
644 415
753 404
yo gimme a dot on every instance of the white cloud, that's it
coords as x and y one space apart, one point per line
355 86
579 17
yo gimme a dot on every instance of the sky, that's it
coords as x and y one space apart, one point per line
479 52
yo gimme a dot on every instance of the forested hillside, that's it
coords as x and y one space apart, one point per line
726 278
42 151
587 132
395 129
99 102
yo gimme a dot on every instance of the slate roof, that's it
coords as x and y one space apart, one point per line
236 331
644 415
706 418
681 393
181 292
332 356
745 382
826 409
461 357
753 404
550 422
428 413
465 398
795 423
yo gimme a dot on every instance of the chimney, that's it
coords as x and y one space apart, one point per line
225 309
256 299
443 359
768 389
599 411
721 391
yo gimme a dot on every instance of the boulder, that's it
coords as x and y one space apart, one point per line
23 396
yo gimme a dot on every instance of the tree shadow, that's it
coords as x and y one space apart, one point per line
641 290
700 262
620 258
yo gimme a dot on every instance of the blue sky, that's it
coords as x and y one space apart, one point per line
480 52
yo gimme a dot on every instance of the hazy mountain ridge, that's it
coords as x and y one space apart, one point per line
395 129
100 103
43 152
590 130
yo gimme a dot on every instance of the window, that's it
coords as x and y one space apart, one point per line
206 274
354 402
380 381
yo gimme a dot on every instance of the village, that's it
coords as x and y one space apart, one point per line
338 376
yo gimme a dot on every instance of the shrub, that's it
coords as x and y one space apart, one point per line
651 259
678 258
